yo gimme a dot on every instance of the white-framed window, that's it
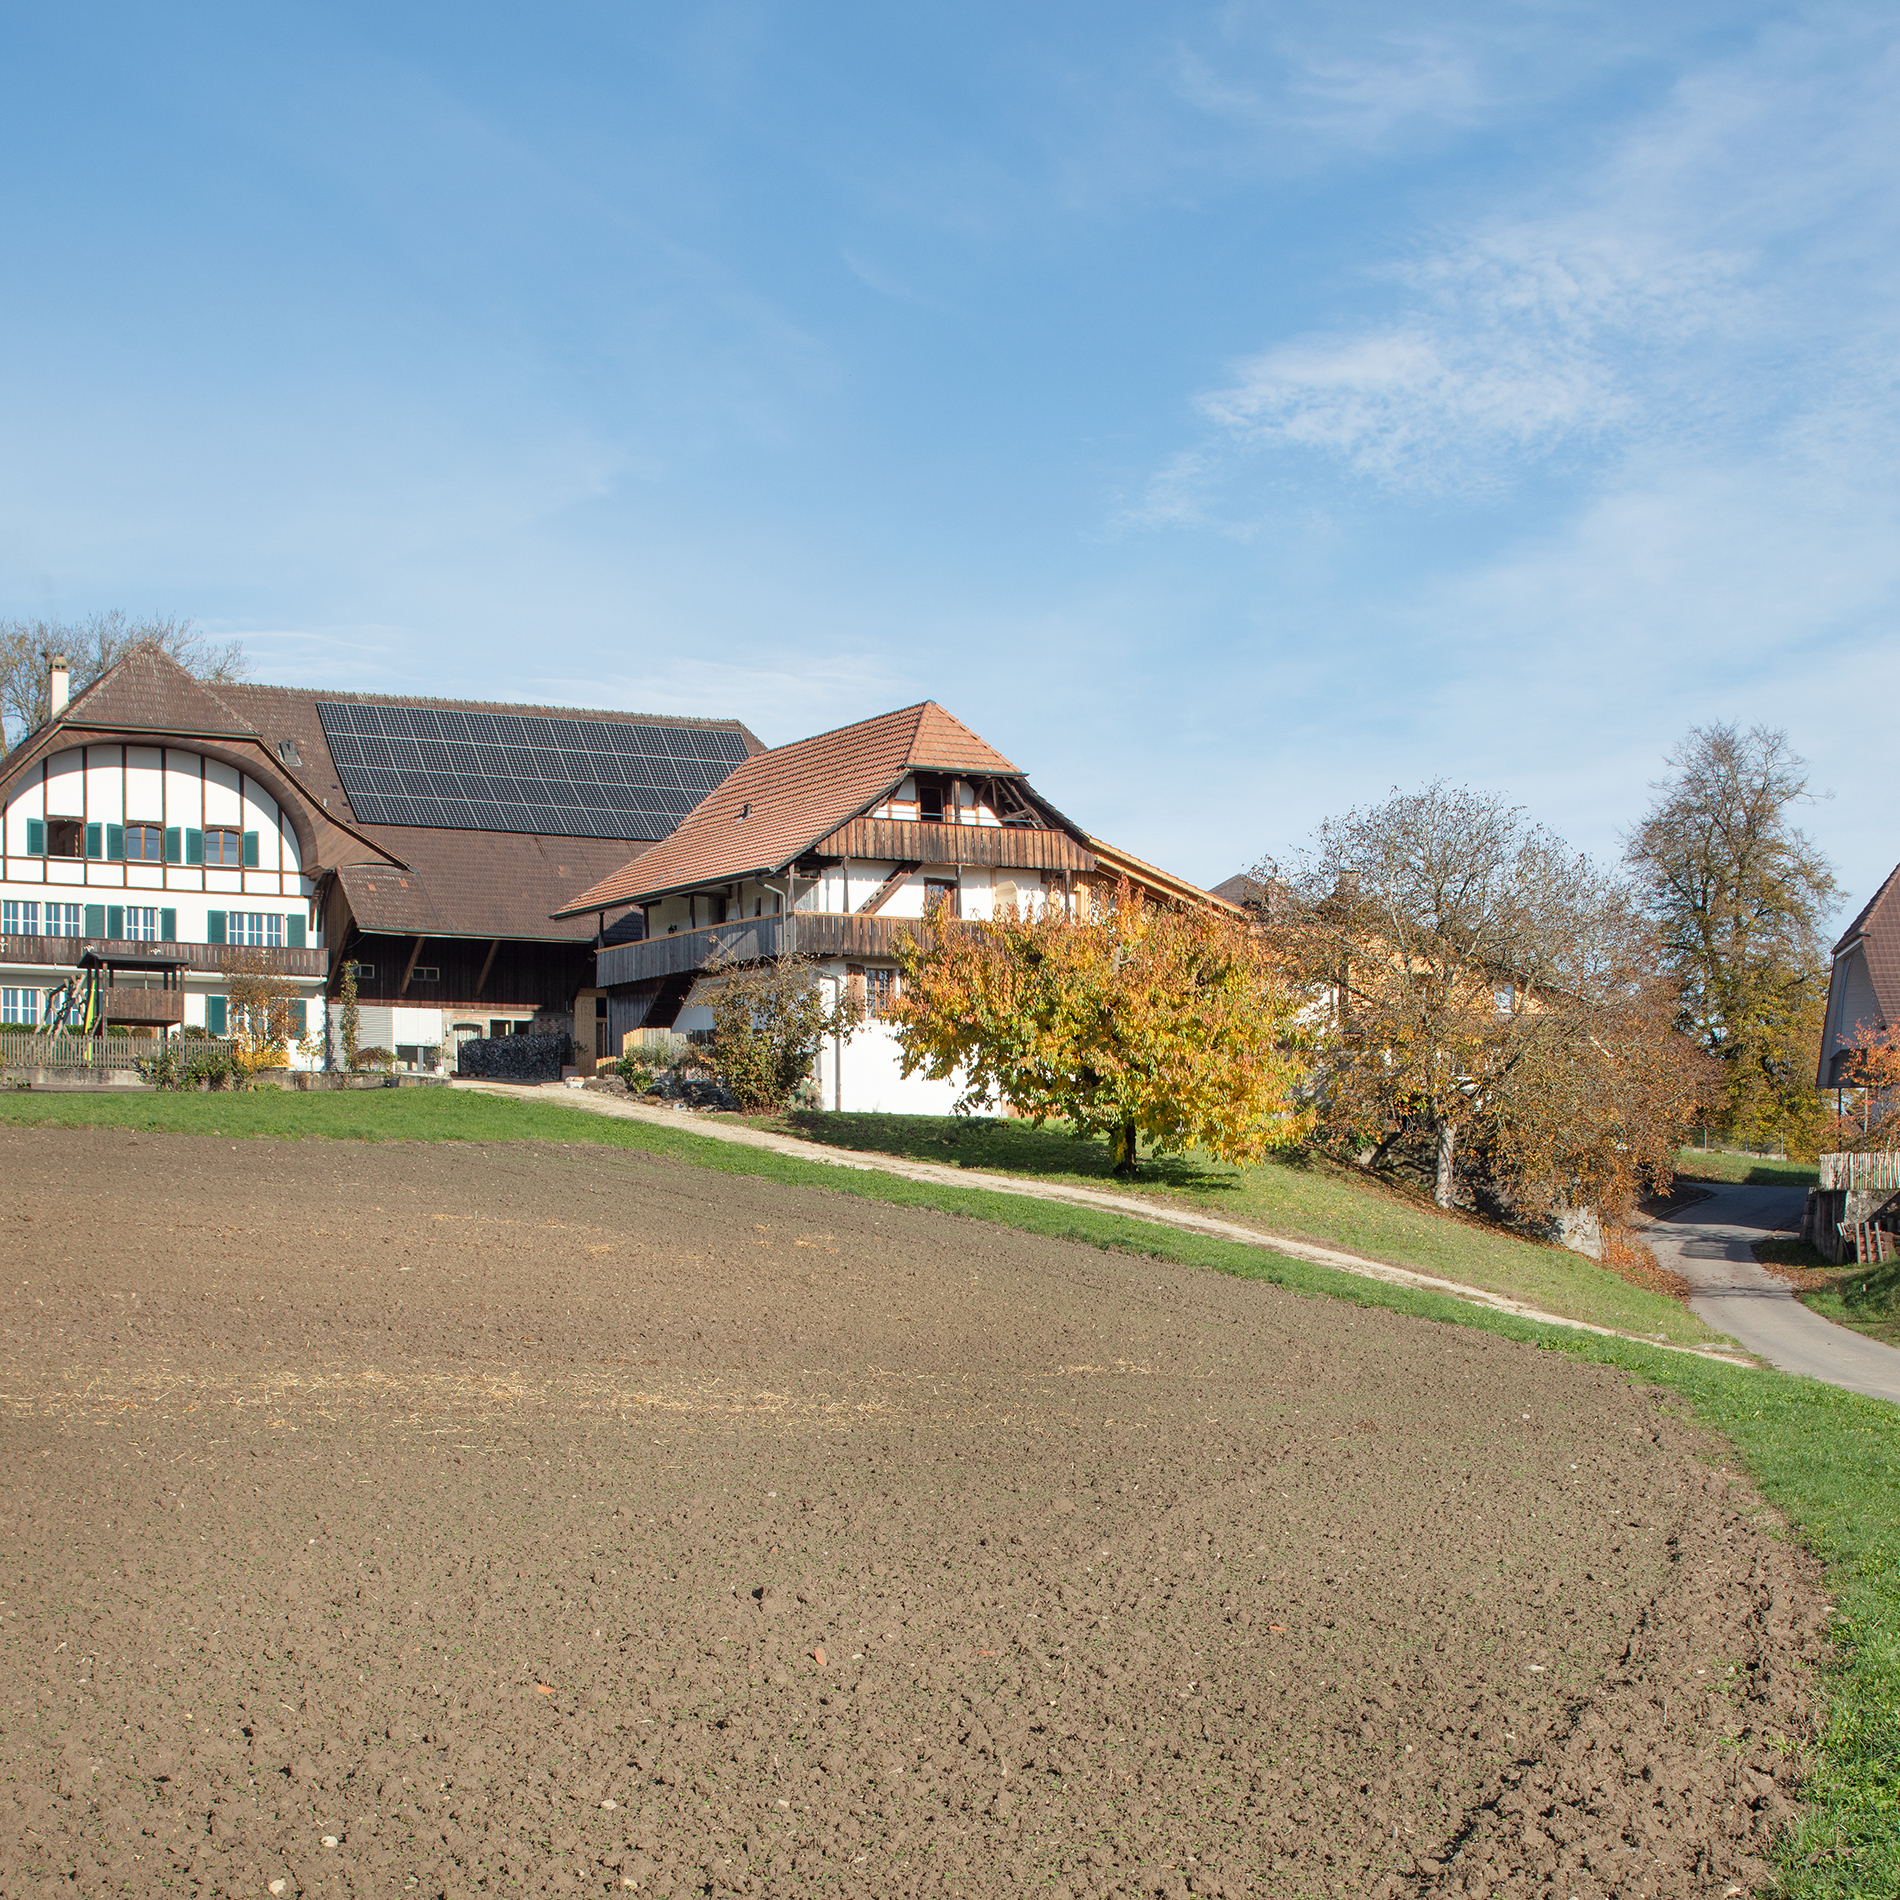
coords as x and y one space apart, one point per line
63 920
20 1008
274 929
141 924
247 927
20 918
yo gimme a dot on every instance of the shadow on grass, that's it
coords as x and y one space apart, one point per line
1004 1146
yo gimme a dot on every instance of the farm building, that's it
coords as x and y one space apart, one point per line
831 847
156 828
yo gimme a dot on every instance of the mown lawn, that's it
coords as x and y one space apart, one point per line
1829 1460
1302 1200
1722 1164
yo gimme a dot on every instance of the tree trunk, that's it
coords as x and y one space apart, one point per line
1447 1149
1125 1149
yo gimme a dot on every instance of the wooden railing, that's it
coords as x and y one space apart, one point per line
90 1055
65 952
826 933
1019 847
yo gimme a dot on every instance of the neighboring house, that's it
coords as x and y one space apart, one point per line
1863 989
832 847
155 825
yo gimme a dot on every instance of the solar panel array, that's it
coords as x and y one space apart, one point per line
496 771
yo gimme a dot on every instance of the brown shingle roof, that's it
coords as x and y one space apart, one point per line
479 883
150 690
778 804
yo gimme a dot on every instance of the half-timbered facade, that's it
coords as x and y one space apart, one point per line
832 847
155 828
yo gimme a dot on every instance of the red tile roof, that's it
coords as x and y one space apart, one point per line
778 804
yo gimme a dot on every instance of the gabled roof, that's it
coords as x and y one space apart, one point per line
402 878
778 804
149 691
1877 929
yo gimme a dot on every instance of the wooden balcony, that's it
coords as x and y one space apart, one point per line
822 933
1013 847
65 953
152 1007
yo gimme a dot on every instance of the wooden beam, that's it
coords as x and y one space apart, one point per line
409 968
879 897
488 963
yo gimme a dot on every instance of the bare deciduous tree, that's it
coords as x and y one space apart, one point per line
1491 993
92 647
1739 896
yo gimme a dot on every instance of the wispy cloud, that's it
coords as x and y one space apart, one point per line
1715 273
1512 343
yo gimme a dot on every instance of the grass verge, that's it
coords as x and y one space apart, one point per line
1301 1199
1721 1164
1829 1460
1864 1298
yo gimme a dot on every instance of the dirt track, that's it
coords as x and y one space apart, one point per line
479 1512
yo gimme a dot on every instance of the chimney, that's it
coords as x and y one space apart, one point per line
59 686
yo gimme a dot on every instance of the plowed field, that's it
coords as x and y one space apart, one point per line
453 1520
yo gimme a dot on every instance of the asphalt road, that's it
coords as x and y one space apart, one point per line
1711 1245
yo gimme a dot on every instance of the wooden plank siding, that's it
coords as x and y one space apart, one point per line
822 933
1015 847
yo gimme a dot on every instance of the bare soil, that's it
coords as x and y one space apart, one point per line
455 1520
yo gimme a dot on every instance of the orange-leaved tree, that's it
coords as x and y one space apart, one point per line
1871 1068
1132 1020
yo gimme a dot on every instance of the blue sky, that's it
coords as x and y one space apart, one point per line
1230 411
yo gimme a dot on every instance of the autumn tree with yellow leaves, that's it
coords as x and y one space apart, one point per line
1132 1020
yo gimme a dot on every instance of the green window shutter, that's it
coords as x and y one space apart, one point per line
95 920
194 847
214 1014
300 1019
36 837
214 926
168 926
174 845
250 851
115 921
95 841
115 842
293 932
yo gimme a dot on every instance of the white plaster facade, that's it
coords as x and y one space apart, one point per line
128 845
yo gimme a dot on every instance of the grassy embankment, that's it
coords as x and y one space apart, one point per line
1723 1164
1303 1200
1829 1460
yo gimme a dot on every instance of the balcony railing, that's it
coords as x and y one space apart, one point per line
812 933
64 953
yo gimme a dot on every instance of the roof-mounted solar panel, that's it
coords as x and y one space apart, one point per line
492 771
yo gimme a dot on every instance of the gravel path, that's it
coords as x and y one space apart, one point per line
1711 1244
1131 1206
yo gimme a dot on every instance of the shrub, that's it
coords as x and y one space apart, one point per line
192 1061
768 1022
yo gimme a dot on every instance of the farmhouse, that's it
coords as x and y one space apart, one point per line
832 847
157 829
1863 989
